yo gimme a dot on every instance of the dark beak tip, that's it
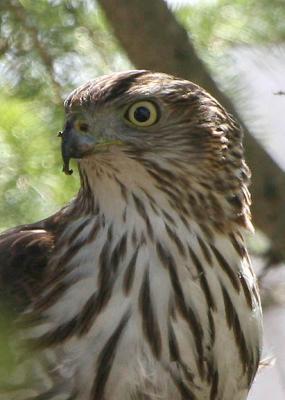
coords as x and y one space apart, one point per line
66 169
68 172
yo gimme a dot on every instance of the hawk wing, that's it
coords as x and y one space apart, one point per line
24 254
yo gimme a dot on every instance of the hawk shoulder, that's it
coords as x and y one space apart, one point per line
24 255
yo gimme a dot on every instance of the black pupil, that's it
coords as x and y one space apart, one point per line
142 114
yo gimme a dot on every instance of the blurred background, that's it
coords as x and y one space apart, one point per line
235 49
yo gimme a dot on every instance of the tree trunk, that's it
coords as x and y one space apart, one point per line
153 39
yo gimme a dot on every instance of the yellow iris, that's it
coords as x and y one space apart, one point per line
142 114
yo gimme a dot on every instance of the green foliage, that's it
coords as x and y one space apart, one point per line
216 25
50 46
30 167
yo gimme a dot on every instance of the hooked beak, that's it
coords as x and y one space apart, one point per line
74 145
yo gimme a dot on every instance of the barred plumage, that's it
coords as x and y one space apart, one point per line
141 288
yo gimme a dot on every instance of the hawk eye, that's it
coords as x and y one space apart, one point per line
81 126
142 113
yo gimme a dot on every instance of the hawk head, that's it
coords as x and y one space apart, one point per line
171 126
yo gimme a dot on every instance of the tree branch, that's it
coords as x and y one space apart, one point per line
153 39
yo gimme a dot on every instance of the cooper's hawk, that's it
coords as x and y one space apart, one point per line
141 287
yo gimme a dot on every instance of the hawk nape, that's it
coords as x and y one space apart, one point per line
141 288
